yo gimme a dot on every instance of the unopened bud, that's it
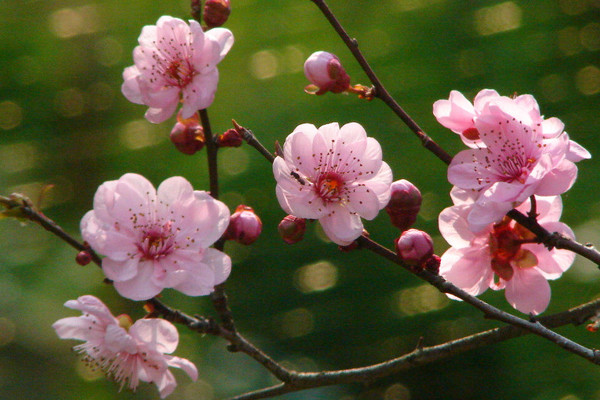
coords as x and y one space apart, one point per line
404 205
83 258
125 321
292 229
414 247
230 138
326 74
244 225
187 134
432 264
216 12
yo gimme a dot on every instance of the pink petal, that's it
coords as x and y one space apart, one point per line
466 171
131 87
301 154
528 291
454 227
73 328
552 127
351 133
468 269
577 152
187 366
160 335
219 262
92 305
140 287
483 98
341 226
456 113
363 201
330 133
200 93
117 339
223 37
156 115
558 180
120 270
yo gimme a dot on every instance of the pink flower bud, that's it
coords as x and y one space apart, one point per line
414 247
83 258
230 138
187 134
244 225
292 229
325 71
216 12
404 205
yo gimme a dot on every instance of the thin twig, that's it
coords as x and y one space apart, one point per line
490 312
380 90
249 137
211 152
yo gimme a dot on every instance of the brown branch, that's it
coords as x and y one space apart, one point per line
380 90
549 239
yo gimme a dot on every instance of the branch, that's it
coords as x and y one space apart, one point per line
211 152
534 326
380 90
550 239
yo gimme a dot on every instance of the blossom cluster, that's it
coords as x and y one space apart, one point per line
515 153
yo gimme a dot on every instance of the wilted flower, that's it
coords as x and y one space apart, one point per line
175 62
157 239
335 175
505 255
126 352
325 71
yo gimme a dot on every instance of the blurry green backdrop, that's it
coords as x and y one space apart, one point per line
64 122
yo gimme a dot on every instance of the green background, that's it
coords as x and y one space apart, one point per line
63 121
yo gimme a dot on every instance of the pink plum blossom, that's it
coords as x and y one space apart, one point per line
335 175
326 73
126 352
175 62
157 239
505 256
515 152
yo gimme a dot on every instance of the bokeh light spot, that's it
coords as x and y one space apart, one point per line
316 277
553 87
233 161
108 51
587 80
264 64
295 323
69 103
69 22
11 115
573 7
417 300
139 133
17 157
568 41
294 58
396 391
498 18
590 36
7 331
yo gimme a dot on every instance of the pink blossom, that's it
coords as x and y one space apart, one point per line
325 71
505 255
175 62
126 352
515 154
414 247
244 225
157 239
335 175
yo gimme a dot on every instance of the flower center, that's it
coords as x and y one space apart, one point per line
329 187
179 73
516 168
506 239
157 242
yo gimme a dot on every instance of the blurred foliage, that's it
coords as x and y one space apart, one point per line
64 122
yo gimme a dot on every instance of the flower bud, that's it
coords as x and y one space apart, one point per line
432 264
404 205
244 225
325 71
216 12
187 134
292 229
414 247
230 138
83 258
